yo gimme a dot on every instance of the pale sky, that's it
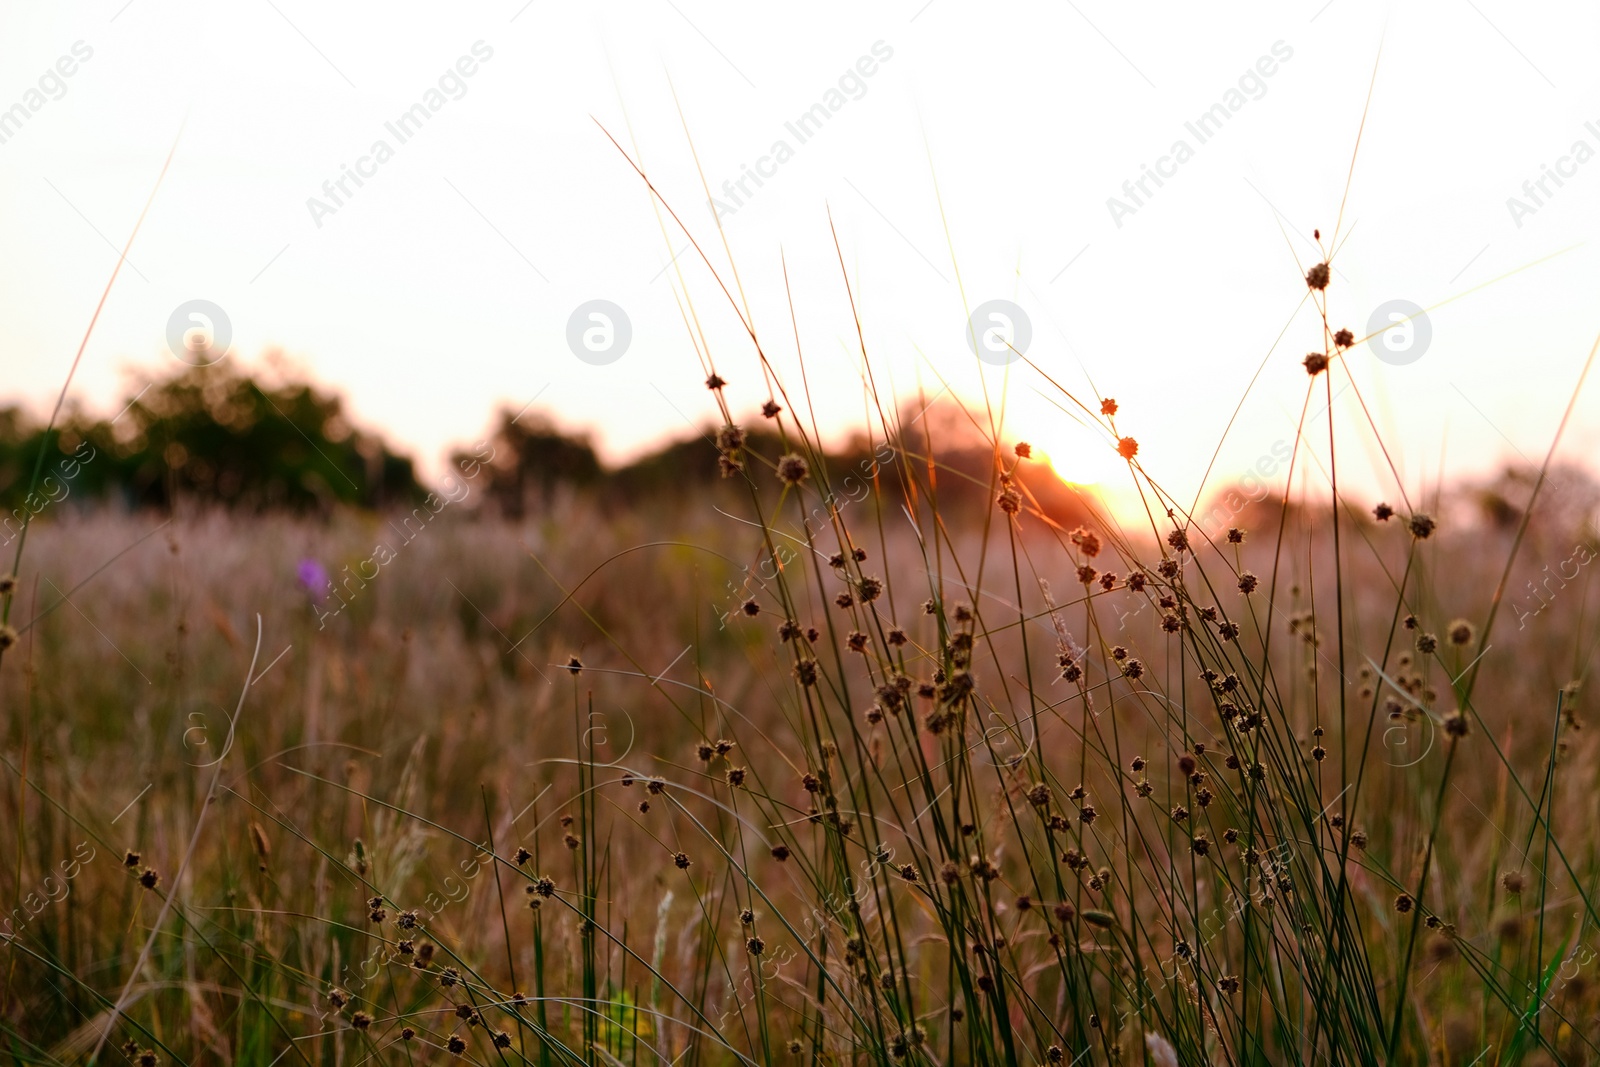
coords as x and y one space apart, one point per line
967 153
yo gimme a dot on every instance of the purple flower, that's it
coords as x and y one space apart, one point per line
314 576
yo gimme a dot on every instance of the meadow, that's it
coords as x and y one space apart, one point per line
777 771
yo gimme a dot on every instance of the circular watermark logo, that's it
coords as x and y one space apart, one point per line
598 332
1399 332
999 332
199 332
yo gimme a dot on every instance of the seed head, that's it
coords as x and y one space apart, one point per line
1422 526
792 469
1344 338
715 382
574 664
681 860
149 878
1317 276
1024 450
770 409
1127 448
1316 363
1461 632
8 637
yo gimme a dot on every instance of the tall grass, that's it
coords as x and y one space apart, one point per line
927 786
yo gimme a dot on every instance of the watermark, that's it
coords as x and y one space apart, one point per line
999 332
1581 555
1536 192
51 85
33 503
451 85
851 85
756 575
598 332
1253 487
1251 85
199 332
1399 332
55 889
411 527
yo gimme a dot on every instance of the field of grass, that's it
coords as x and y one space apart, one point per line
833 776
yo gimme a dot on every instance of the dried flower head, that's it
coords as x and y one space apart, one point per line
1127 448
1422 526
770 409
1024 450
1461 632
792 469
1344 338
1317 276
1316 363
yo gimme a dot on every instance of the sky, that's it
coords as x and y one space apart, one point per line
1140 183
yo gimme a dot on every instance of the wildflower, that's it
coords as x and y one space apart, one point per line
870 588
656 786
788 631
755 946
1063 912
1136 582
1200 844
751 608
1009 501
1316 363
1228 984
844 600
338 997
1039 795
407 1033
149 878
1086 574
724 746
770 409
545 887
715 382
1427 644
1461 632
857 641
1133 669
806 671
1403 903
1455 724
8 637
1422 527
792 469
1228 631
574 664
1127 448
1024 450
1247 583
780 852
502 1039
795 1046
130 859
1383 513
1108 406
1512 881
736 776
360 1020
681 860
908 872
897 637
522 857
148 1058
1179 813
455 1045
448 977
571 841
1317 276
728 465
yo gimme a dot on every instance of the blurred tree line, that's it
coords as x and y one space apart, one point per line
216 436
